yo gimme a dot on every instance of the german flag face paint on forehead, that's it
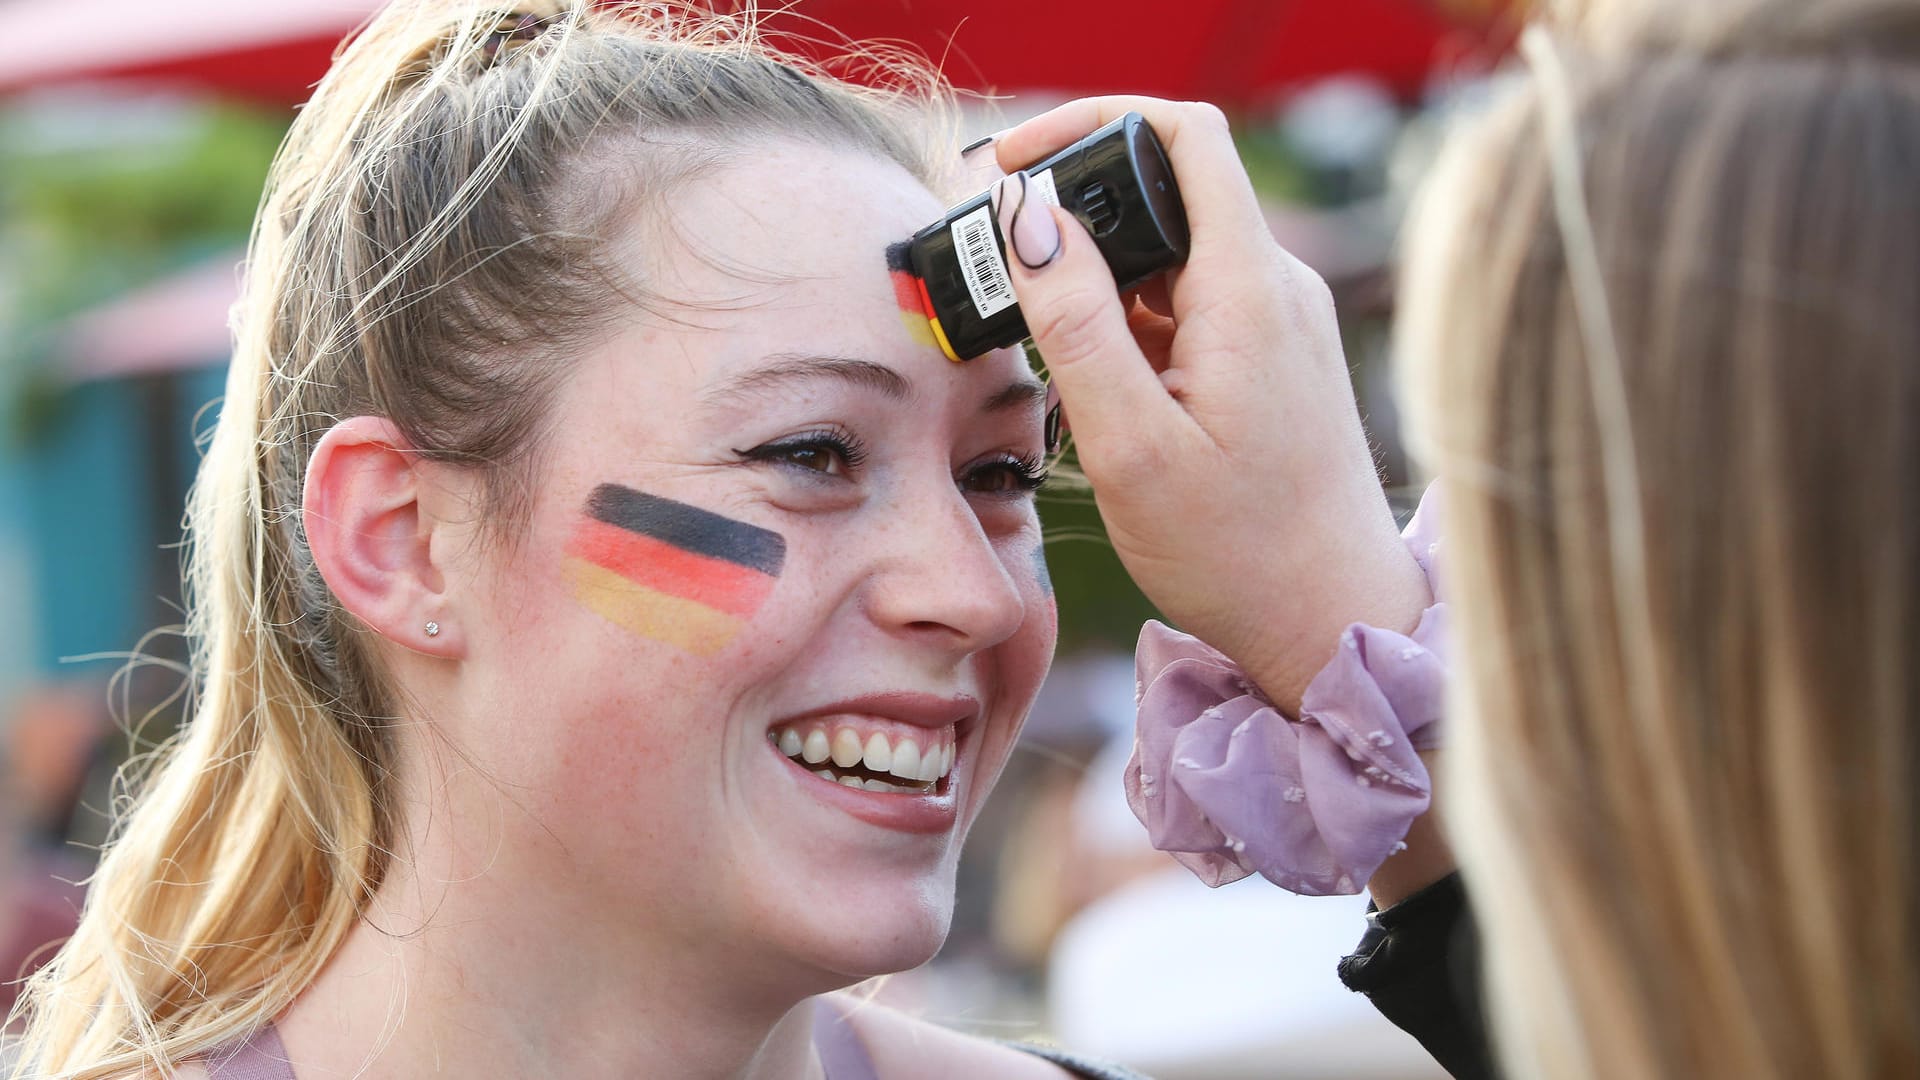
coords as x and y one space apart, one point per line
669 571
916 308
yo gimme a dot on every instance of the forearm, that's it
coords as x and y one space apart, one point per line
1426 859
1380 585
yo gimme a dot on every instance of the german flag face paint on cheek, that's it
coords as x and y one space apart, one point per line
669 571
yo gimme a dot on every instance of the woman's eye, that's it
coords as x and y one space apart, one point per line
826 453
813 458
1010 474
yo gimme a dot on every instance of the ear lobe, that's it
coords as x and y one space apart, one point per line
361 509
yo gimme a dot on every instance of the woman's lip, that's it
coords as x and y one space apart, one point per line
928 814
906 706
935 813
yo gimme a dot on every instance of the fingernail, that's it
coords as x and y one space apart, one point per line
984 140
1030 231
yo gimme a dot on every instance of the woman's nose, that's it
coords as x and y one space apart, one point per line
942 577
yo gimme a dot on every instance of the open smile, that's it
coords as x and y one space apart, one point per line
887 759
877 760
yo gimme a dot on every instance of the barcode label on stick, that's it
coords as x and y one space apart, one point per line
981 263
1043 188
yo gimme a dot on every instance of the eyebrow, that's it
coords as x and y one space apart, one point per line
1019 394
787 368
784 369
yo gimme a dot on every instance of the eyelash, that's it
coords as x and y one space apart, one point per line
1027 472
845 447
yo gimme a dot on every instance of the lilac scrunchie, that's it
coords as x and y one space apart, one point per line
1231 787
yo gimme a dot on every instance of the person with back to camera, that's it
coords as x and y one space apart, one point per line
1660 329
608 617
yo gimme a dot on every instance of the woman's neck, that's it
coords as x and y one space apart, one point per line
479 975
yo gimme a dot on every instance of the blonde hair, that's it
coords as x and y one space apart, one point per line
433 244
1662 336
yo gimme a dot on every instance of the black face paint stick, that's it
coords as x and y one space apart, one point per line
1117 181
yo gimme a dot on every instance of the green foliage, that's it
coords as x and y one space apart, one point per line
90 208
1276 170
1100 607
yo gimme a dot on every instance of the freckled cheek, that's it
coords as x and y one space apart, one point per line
1037 576
609 753
1028 655
1047 610
620 795
1041 629
653 705
1025 657
618 751
1019 664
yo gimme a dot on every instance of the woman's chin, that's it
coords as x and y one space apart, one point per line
851 968
861 940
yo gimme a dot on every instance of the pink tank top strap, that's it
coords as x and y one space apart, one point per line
260 1057
842 1054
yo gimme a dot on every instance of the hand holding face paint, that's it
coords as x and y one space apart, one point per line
1212 412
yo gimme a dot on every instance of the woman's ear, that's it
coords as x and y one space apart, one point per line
362 512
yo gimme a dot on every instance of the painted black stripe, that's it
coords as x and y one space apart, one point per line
689 528
899 256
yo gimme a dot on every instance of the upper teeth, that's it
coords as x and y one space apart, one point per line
904 757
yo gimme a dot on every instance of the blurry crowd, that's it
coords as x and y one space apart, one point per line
55 756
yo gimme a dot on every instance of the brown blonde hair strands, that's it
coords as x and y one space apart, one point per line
1690 830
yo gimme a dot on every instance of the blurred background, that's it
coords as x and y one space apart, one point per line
133 146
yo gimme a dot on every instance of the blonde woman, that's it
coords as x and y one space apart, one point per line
1660 326
609 616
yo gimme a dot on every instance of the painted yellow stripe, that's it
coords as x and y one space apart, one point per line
940 339
685 624
917 328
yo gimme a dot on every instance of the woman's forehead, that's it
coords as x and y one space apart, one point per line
792 213
783 249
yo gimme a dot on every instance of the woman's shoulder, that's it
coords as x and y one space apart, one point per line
903 1045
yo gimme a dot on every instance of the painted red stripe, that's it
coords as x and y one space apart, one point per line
717 583
925 299
906 291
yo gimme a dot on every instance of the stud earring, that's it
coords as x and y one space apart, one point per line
433 629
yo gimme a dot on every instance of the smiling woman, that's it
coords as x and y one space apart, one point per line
609 615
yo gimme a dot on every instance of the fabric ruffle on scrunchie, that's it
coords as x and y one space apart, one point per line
1229 786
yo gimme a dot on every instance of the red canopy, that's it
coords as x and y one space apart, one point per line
269 50
1233 52
1229 51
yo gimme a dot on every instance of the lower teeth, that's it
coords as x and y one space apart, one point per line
870 784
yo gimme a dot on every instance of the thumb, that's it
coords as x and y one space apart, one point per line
1112 396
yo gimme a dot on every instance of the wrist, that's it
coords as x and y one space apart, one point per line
1282 657
1426 856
